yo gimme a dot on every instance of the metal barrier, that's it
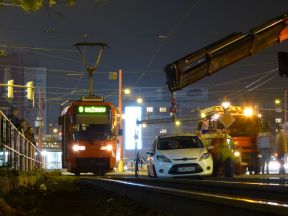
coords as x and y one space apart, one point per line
17 152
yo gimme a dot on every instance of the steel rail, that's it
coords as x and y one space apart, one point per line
275 192
180 201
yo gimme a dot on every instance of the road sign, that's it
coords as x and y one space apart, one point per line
227 119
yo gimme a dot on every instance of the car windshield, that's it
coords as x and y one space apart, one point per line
179 142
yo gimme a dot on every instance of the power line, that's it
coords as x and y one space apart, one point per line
261 78
243 78
264 82
163 41
37 48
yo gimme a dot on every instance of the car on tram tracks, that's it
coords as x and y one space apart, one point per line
180 154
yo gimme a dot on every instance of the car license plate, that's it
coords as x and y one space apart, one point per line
186 169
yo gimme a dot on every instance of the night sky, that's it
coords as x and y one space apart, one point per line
143 37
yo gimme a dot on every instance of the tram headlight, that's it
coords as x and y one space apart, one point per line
78 148
108 147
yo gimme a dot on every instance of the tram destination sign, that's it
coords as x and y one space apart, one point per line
91 109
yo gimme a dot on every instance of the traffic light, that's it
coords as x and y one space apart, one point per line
283 64
172 110
10 92
112 75
173 106
30 90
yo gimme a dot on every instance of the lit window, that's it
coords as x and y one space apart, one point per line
149 109
162 109
163 131
278 120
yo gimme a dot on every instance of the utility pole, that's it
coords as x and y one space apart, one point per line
120 138
39 124
285 111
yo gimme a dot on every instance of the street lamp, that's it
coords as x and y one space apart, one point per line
277 101
127 91
225 104
55 130
139 100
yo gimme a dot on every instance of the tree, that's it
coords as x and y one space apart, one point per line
34 5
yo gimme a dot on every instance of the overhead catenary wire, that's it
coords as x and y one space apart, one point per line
261 78
240 92
264 82
38 48
241 79
164 40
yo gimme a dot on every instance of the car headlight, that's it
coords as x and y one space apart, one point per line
237 154
107 147
163 158
78 148
274 165
204 156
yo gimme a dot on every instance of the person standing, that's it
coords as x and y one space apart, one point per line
22 126
137 161
14 117
281 149
30 135
264 145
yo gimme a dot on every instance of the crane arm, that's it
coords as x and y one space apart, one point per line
224 52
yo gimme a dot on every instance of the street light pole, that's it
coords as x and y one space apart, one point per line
285 111
120 138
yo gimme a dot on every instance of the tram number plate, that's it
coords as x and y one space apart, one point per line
186 169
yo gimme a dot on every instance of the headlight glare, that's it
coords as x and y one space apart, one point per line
108 147
77 147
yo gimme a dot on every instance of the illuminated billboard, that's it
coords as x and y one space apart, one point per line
133 132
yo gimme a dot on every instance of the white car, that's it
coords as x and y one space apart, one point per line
181 154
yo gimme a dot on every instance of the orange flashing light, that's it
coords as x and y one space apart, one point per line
284 32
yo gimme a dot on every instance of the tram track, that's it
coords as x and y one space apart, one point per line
181 196
273 191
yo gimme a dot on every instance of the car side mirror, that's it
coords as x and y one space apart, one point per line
150 153
210 147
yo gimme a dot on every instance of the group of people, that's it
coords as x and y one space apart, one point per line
21 125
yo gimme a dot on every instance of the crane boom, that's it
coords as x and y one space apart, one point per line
224 52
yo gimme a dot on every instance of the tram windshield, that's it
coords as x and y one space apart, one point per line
99 132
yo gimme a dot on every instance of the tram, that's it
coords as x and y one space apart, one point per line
89 135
